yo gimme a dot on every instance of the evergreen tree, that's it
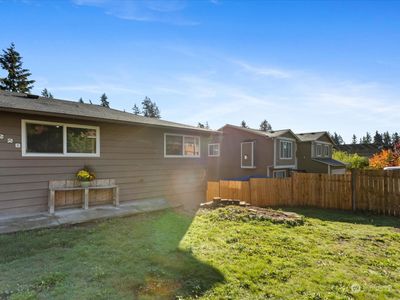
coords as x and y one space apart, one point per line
387 140
367 139
81 100
90 101
354 139
244 124
395 138
150 108
200 125
17 77
378 139
45 93
136 110
265 126
103 101
337 138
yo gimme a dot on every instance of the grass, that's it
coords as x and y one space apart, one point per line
168 255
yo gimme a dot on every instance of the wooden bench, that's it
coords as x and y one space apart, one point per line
73 185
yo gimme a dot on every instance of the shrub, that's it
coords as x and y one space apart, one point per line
352 161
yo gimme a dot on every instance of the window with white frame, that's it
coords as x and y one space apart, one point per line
213 149
41 138
318 150
286 149
279 174
177 145
326 150
247 155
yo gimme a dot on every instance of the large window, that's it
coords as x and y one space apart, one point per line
213 149
286 150
57 139
176 145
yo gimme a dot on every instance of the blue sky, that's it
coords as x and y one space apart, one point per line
308 66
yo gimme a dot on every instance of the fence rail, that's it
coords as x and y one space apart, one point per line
366 190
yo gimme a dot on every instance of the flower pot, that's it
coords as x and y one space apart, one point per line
85 184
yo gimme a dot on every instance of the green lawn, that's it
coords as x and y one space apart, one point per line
170 255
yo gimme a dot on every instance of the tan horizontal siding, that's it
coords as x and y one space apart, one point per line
133 155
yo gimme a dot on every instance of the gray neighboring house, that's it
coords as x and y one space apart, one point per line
45 139
241 152
314 154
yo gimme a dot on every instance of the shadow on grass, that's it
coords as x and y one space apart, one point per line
138 257
347 216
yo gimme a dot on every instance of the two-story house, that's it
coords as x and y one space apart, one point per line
314 154
241 152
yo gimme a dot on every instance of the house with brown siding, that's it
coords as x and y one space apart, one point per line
314 154
45 139
240 152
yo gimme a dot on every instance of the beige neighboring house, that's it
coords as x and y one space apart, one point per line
241 152
314 154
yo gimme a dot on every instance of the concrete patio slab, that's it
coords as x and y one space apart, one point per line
75 216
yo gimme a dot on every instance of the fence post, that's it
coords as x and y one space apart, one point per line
354 173
292 187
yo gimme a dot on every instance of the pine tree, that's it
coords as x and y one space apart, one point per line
103 101
200 125
395 138
354 139
367 139
17 77
136 110
45 93
244 124
337 138
150 109
265 126
81 100
90 101
378 139
387 140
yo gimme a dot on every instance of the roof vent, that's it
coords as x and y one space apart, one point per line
30 96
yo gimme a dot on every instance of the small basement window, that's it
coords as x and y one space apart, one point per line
176 145
41 138
279 174
213 149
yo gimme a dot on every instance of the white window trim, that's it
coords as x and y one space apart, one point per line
316 150
326 147
64 126
279 171
280 149
219 151
252 156
183 145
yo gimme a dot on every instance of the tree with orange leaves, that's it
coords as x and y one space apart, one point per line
386 158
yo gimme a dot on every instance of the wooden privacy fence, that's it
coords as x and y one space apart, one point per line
368 190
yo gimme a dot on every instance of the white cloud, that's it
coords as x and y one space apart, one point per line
263 71
143 11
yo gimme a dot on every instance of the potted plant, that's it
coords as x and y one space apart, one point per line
85 176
